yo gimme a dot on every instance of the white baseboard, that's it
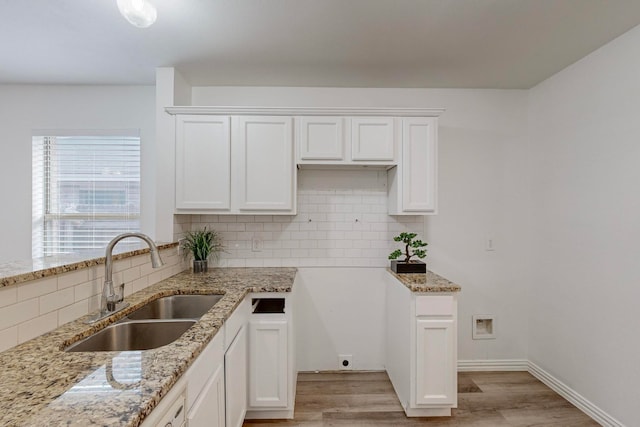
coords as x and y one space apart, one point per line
574 397
493 365
549 380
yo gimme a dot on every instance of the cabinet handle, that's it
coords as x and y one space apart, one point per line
178 412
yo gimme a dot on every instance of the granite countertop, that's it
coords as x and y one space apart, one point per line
44 386
425 282
14 272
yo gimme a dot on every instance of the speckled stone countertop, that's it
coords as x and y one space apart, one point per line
14 272
44 386
425 282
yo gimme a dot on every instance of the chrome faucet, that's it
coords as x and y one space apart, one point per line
111 301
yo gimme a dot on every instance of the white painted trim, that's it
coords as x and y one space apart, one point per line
305 111
573 396
549 380
266 414
493 365
428 412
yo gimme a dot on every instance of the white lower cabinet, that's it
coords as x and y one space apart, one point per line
268 367
272 373
206 386
209 408
173 415
435 359
235 373
421 349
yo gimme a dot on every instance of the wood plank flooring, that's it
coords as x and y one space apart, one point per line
485 399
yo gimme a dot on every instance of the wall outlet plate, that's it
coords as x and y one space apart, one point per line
345 362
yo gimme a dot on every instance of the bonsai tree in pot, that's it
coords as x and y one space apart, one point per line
412 248
202 245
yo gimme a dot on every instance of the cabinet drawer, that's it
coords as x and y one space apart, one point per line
436 305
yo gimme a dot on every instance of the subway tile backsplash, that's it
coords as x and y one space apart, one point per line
333 228
33 308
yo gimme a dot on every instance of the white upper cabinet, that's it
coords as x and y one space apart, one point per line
332 140
263 167
203 162
413 183
242 160
372 139
255 174
320 138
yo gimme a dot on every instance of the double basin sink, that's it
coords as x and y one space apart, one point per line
157 323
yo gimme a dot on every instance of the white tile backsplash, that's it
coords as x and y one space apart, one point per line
74 278
8 338
334 227
37 288
38 326
8 296
56 300
14 314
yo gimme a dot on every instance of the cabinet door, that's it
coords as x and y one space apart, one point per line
321 138
203 162
435 362
372 139
208 410
264 164
419 165
235 373
268 363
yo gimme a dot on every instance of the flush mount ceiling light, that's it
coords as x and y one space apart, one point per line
139 13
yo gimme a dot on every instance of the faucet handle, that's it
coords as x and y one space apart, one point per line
119 292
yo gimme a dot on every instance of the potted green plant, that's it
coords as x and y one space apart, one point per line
202 245
412 248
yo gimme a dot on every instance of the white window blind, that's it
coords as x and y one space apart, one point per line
86 190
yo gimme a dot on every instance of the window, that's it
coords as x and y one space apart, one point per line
86 190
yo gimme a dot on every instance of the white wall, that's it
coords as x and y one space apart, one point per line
171 89
26 108
345 310
482 173
584 292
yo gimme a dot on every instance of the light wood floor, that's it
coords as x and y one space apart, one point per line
485 399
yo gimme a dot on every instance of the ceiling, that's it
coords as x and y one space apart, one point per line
341 43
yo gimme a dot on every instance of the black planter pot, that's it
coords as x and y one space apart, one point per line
401 267
200 266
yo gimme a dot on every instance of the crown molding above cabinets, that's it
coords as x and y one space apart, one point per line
305 111
242 160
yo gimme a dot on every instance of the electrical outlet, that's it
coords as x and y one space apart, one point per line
345 362
256 244
180 247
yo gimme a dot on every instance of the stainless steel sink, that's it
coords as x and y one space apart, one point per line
132 335
176 307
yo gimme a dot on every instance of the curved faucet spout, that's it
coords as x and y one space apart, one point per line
108 291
